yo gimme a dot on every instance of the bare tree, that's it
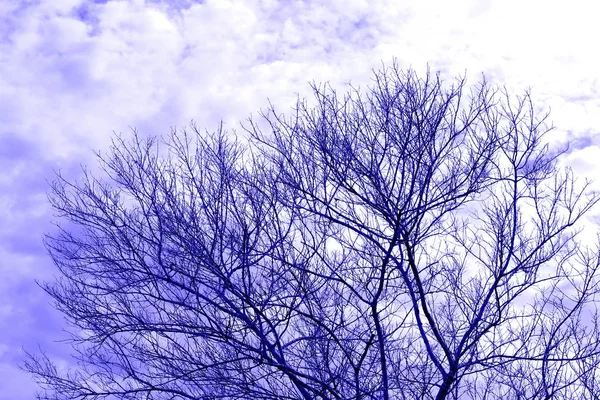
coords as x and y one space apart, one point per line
416 242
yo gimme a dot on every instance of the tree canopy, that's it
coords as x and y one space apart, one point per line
418 241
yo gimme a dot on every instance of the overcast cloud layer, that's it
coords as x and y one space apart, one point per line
74 71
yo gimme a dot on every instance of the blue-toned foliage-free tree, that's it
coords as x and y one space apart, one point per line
416 242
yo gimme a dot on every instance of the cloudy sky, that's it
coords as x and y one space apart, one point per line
74 71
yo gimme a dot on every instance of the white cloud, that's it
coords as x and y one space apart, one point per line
71 71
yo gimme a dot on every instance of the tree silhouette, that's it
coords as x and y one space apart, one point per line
416 242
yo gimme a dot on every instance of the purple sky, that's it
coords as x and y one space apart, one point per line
73 71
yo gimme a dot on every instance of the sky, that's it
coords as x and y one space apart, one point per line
72 72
